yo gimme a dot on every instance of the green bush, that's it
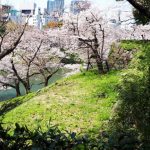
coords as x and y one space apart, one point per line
133 111
24 139
54 139
72 58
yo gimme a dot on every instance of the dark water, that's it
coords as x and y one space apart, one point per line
11 93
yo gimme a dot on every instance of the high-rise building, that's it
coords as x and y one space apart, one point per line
55 9
50 6
55 6
79 5
59 5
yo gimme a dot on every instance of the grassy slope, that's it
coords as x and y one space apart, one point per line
80 103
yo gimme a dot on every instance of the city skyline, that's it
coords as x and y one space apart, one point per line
43 3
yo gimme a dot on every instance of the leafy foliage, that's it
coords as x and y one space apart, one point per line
133 109
130 45
72 58
22 138
54 139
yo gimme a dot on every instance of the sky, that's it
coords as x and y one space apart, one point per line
42 3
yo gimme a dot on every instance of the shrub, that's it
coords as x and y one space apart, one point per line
133 111
72 58
53 139
121 55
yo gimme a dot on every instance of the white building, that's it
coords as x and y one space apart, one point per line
28 13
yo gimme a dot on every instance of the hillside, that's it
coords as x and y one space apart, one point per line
81 103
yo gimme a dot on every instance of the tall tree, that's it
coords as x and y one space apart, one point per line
93 34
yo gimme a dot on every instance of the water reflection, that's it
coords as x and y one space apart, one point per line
11 93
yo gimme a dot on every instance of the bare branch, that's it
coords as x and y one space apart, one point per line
13 46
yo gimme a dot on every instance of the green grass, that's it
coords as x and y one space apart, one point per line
81 103
129 45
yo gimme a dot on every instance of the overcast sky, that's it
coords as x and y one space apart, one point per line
42 3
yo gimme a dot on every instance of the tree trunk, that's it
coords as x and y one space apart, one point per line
18 93
17 88
27 84
46 82
89 61
99 64
49 76
107 66
28 90
27 87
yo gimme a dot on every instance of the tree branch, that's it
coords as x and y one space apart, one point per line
143 10
7 84
15 44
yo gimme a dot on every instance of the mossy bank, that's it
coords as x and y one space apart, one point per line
82 103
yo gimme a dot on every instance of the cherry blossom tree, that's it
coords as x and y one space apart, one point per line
7 77
37 55
94 33
27 70
12 42
47 64
9 40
